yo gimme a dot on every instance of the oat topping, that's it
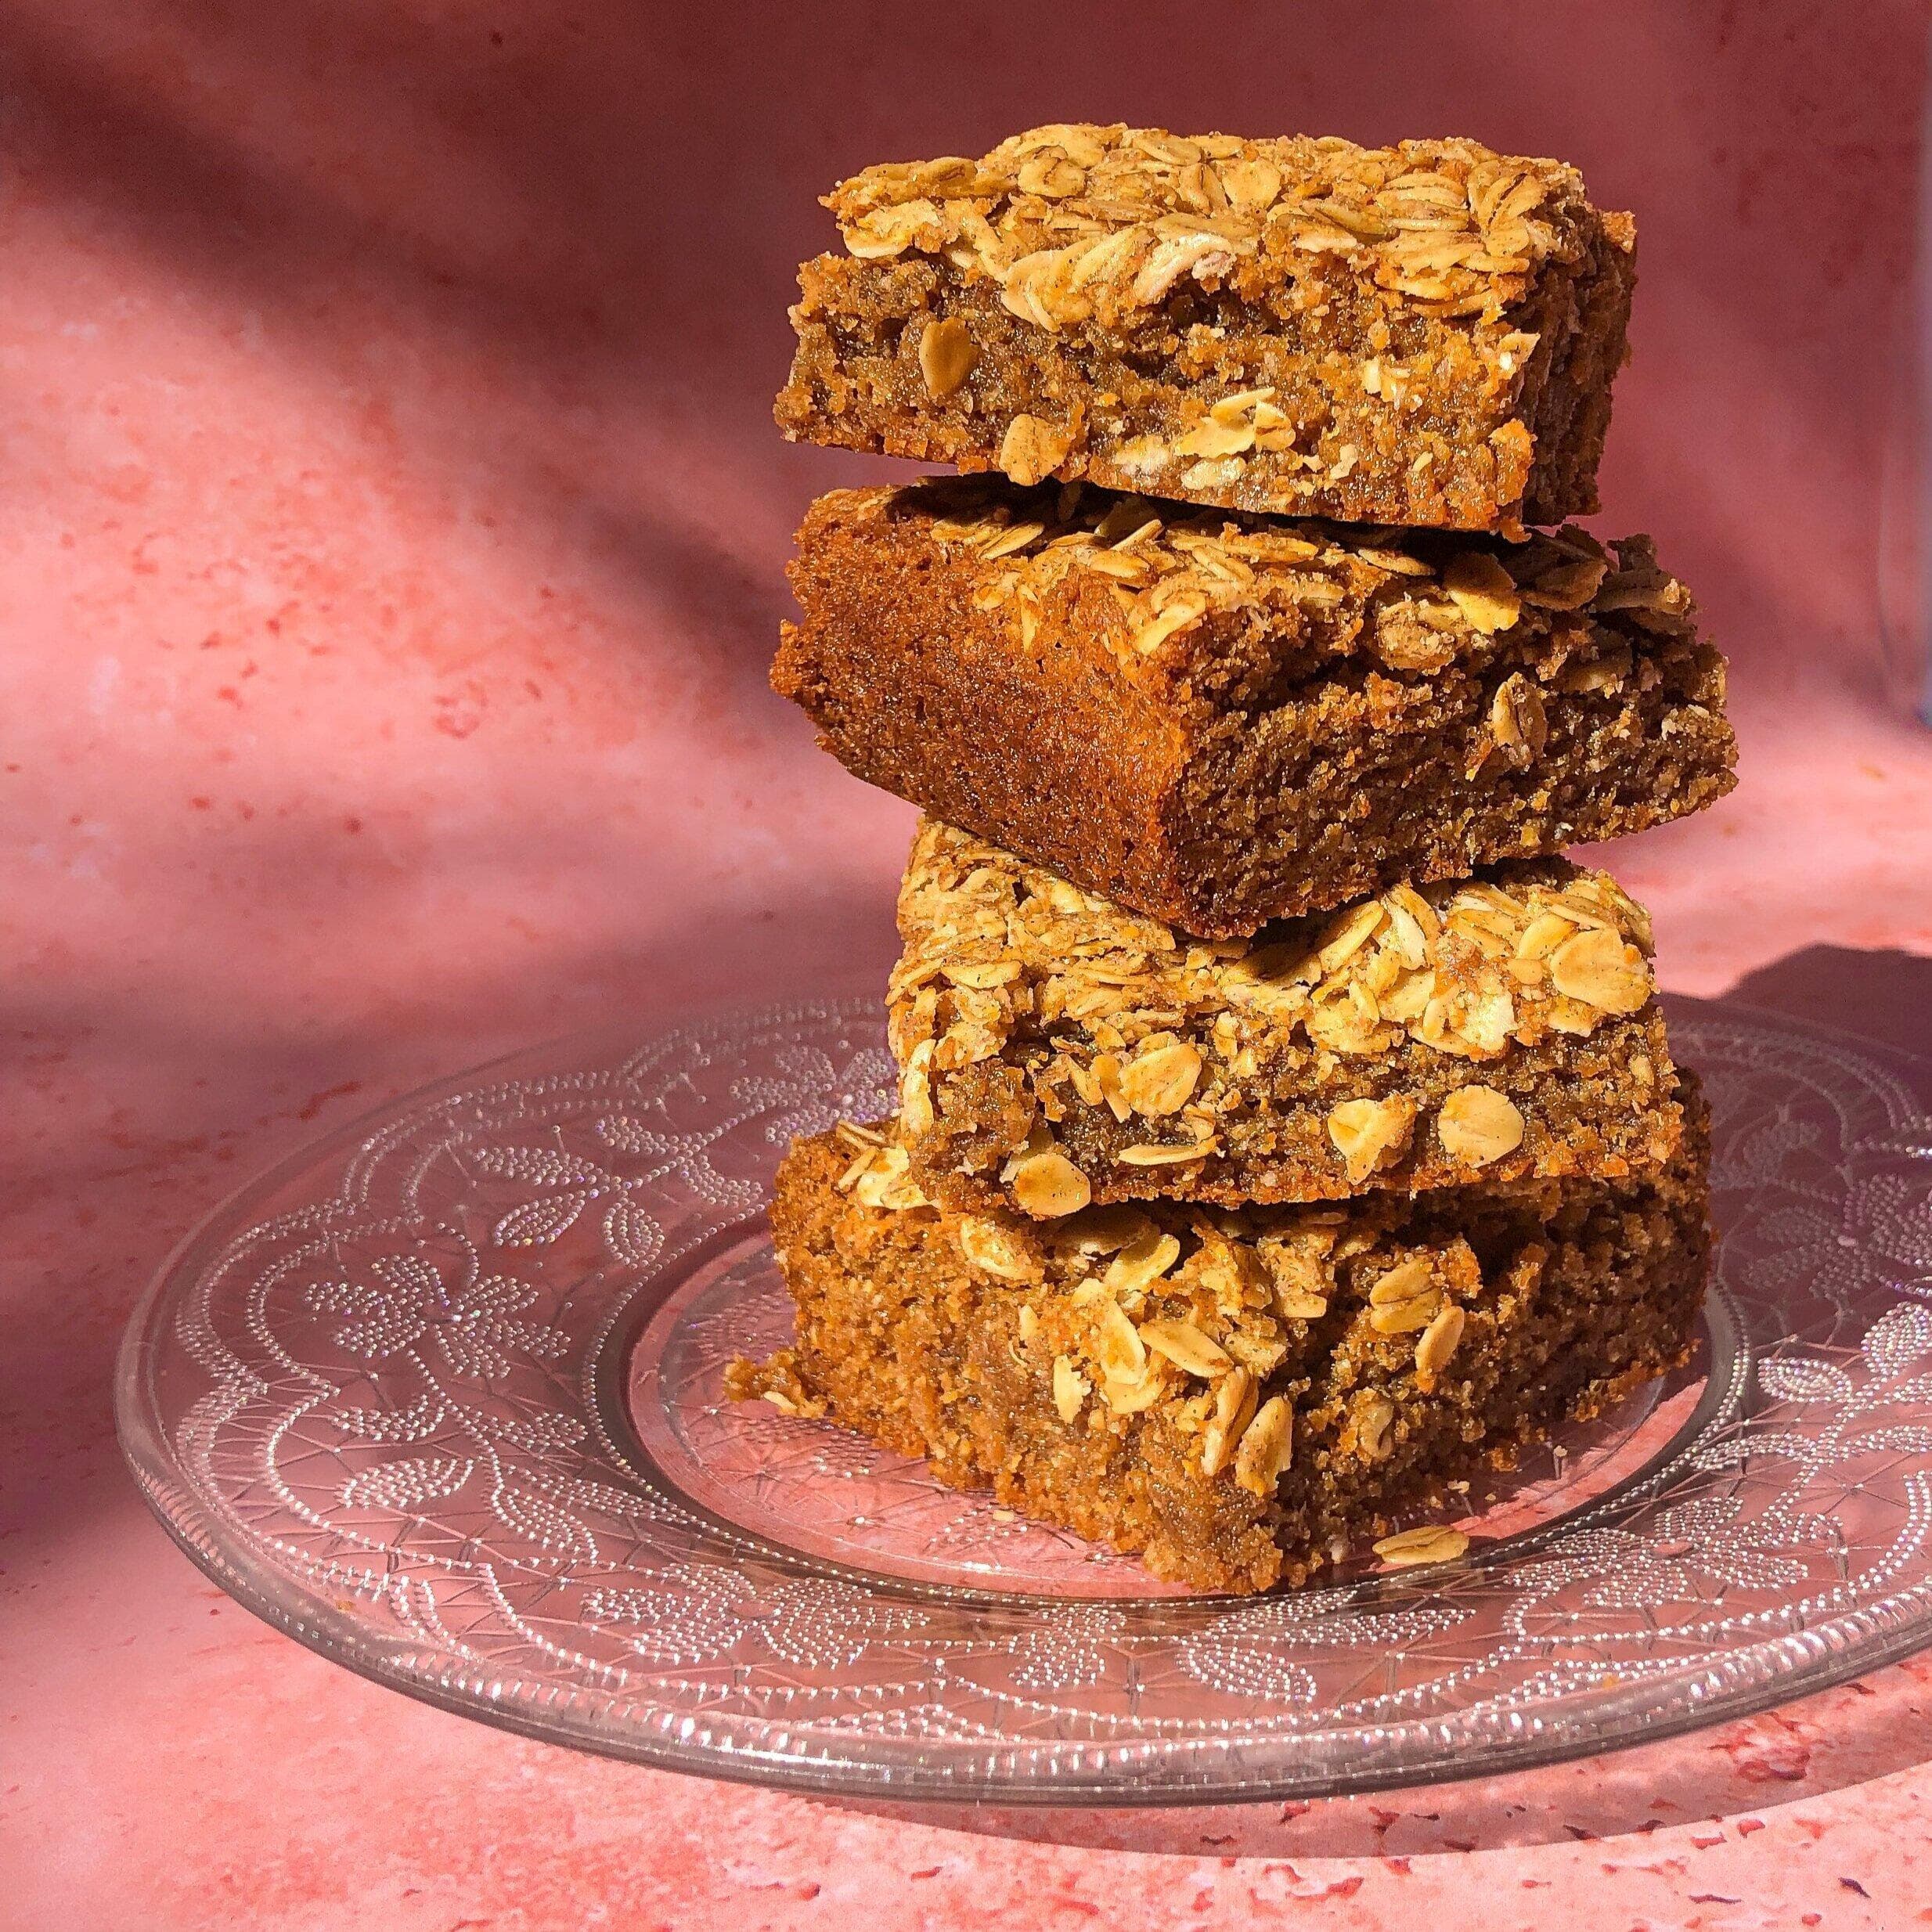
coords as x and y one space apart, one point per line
1518 723
999 955
1155 1154
1070 1389
1596 967
1434 1544
1187 1347
1160 1077
987 1246
878 1177
1370 1133
1410 599
1481 587
1194 1309
1437 1342
1374 1426
1416 600
1266 1445
1479 1125
1078 224
1212 1388
1233 1410
947 354
1033 449
1048 1184
1405 1298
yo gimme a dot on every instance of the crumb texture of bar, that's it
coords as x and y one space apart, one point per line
1222 720
1236 1397
1057 1050
1419 334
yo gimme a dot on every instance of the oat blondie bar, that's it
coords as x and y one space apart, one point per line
1224 720
1237 1396
1425 334
1057 1050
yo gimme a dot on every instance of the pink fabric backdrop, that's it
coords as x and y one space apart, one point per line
392 552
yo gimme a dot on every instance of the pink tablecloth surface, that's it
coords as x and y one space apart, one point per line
392 550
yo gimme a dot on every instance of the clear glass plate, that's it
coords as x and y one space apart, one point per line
440 1397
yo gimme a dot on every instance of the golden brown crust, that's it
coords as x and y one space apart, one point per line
1419 334
1222 720
1234 1397
1056 1049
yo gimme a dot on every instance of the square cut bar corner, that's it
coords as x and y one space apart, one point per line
1058 1050
1422 334
1238 1396
1218 720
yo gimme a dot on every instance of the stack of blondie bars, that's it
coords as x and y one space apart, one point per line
1287 1132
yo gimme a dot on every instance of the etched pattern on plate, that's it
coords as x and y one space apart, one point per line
384 1398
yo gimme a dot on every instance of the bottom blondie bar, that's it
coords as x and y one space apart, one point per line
1236 1395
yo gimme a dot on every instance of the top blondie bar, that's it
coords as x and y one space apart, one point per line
1423 334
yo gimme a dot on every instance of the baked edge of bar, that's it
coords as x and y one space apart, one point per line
1679 1276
